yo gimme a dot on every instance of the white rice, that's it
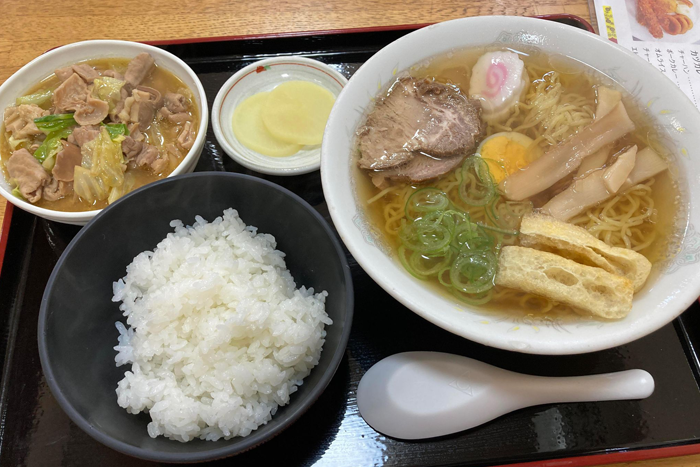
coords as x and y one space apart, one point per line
219 336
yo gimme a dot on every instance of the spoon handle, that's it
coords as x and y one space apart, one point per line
623 385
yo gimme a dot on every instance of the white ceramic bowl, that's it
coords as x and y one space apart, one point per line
676 119
264 76
42 66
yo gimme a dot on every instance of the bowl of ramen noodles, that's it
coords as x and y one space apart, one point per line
522 184
86 123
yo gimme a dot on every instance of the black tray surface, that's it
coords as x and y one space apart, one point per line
34 431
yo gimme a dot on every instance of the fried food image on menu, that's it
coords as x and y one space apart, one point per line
665 16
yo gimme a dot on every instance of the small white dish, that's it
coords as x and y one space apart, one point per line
264 76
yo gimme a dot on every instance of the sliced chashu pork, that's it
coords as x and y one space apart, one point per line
418 116
414 131
418 169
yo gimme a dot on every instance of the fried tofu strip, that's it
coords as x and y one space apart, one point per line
588 289
575 243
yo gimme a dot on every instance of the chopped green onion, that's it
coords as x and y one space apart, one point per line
430 266
476 187
425 236
36 99
444 277
440 240
474 272
426 200
471 237
407 265
473 299
506 215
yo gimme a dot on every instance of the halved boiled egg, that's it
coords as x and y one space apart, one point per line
507 152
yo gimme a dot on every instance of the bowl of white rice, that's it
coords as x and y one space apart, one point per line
196 318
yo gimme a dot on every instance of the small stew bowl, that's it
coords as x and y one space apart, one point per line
44 65
673 286
77 335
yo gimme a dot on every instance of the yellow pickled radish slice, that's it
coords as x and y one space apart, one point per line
297 112
252 133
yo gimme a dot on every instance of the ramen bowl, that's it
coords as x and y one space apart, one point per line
44 65
675 280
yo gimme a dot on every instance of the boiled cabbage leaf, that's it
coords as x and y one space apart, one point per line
108 89
101 168
38 98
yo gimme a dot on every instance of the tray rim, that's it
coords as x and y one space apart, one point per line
5 230
624 455
327 32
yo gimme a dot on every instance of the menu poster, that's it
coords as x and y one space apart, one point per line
663 32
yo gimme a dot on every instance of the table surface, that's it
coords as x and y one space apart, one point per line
69 21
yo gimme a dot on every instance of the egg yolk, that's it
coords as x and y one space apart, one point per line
504 156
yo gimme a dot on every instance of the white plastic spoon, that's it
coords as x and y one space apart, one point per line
417 395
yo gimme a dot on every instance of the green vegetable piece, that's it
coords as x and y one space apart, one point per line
49 163
17 193
54 123
38 98
52 144
116 130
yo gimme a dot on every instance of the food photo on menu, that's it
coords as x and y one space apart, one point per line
664 19
469 242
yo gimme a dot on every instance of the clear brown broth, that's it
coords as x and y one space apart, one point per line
455 68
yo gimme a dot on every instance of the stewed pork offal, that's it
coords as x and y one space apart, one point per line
94 131
519 183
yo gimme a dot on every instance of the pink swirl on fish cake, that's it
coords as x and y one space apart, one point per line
495 78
